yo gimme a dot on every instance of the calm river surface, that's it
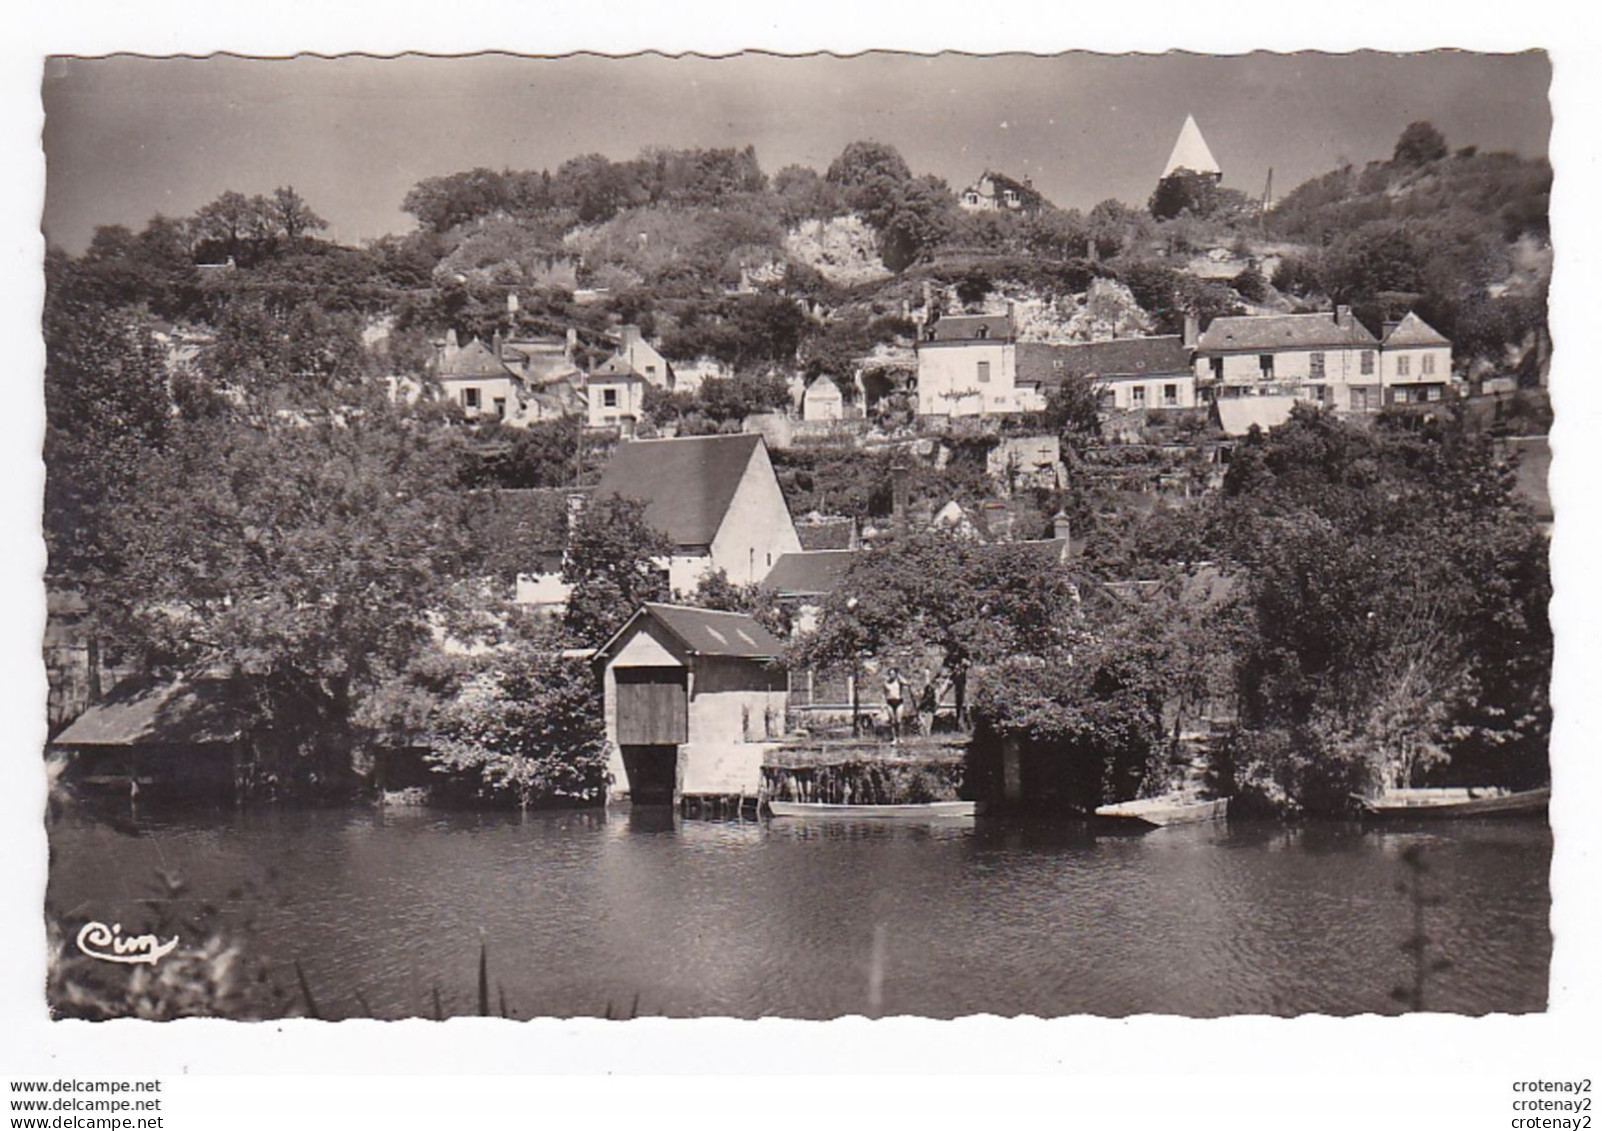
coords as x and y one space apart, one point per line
585 910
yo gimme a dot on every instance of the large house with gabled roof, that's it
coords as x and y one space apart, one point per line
1328 359
1415 362
715 497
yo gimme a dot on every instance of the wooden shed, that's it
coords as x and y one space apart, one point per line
690 694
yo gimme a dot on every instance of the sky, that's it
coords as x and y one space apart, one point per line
127 137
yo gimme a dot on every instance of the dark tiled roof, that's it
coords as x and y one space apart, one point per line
1040 363
1283 331
142 713
686 484
830 534
704 632
966 328
1414 331
812 573
475 359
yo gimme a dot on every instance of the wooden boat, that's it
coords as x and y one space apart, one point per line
1453 803
924 811
1161 812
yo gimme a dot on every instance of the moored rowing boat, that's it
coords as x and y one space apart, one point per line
1452 803
923 811
1160 812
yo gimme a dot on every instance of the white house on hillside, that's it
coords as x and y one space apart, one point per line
968 366
1415 362
1327 359
715 497
616 387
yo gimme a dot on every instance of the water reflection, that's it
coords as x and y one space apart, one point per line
583 910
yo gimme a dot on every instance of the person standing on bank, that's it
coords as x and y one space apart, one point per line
928 705
893 690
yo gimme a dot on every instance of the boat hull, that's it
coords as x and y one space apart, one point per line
1160 813
1455 804
923 812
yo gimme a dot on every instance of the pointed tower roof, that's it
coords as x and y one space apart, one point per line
1191 152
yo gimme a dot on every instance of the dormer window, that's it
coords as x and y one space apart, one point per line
982 333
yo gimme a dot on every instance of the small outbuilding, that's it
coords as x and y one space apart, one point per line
823 401
693 699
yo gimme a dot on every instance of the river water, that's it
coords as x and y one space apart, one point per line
584 911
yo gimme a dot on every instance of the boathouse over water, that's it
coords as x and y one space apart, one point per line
694 699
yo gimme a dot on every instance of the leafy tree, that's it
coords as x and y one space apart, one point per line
310 556
1379 562
527 726
613 566
1184 191
865 164
1073 412
934 591
1419 144
106 407
292 216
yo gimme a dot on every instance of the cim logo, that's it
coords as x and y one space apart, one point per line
108 944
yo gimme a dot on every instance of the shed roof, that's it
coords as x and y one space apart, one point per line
1040 363
140 712
704 632
811 573
1236 415
1414 331
686 484
1284 331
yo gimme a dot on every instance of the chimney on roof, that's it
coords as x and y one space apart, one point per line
627 336
511 303
495 344
1059 526
570 350
1343 317
575 509
451 343
900 488
1192 330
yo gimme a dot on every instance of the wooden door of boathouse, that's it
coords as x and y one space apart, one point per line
653 718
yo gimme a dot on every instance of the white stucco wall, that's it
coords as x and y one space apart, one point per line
757 528
1123 392
734 701
630 400
948 379
489 388
1439 359
1341 365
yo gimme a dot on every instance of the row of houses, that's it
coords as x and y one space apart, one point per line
525 381
974 365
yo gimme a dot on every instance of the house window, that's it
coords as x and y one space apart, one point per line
984 372
1171 396
1434 393
1365 363
500 408
1137 397
1315 366
1426 365
1319 392
1265 363
982 333
470 398
1403 396
1404 365
1359 400
650 371
1218 368
609 398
